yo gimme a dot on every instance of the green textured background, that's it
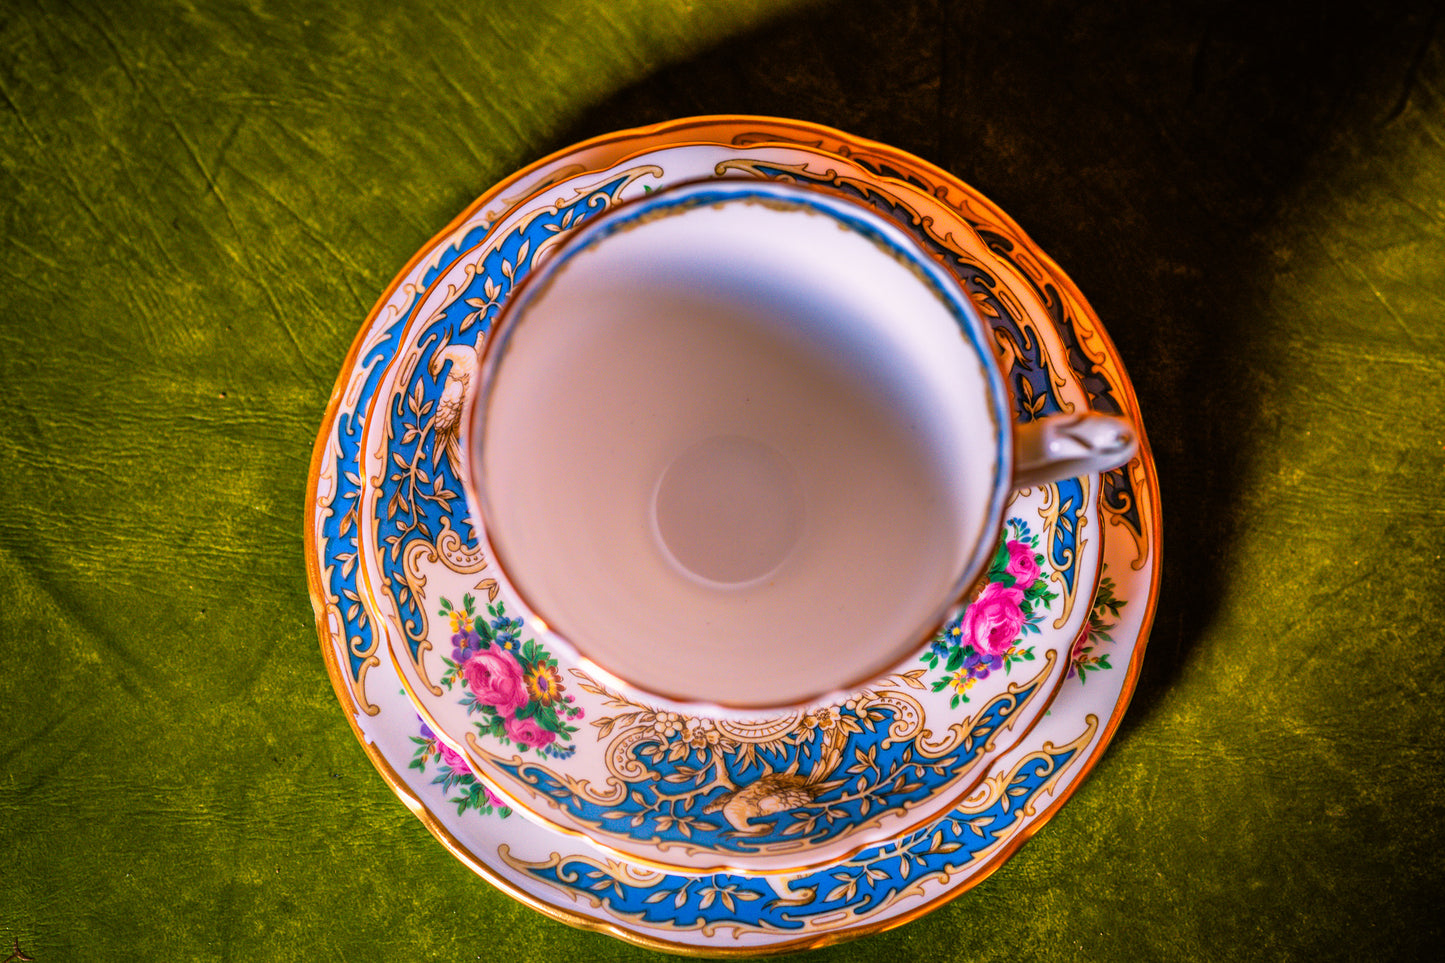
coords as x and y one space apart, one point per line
201 201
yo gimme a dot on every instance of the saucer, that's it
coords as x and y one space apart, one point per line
696 794
877 888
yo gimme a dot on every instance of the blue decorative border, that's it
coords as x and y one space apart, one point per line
878 775
871 880
342 569
406 517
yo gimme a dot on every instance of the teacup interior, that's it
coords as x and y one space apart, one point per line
738 452
728 511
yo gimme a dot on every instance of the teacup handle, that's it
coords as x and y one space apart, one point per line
1064 446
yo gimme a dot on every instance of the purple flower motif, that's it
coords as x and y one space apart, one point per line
978 665
465 644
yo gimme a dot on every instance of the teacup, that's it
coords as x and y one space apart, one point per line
742 447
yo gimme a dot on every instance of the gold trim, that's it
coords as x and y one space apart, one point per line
515 791
960 735
1052 515
623 873
1141 469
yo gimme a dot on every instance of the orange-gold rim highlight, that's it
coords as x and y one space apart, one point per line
469 749
735 128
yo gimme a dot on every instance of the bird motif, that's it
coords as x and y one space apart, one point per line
773 793
446 423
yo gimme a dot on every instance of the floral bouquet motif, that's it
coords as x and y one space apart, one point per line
513 685
989 635
453 773
1085 656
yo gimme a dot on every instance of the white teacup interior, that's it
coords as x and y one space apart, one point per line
741 451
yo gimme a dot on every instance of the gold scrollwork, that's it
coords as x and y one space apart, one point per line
354 646
452 551
639 738
568 874
866 188
581 790
964 733
993 787
1140 483
1052 514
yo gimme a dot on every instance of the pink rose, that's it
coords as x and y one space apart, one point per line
993 621
528 733
452 758
495 679
1021 564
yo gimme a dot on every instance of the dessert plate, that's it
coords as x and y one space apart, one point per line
697 794
870 891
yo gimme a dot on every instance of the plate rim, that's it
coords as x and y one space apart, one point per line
725 863
736 122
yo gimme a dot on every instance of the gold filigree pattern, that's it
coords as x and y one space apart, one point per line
478 852
965 734
869 885
1053 516
450 550
698 759
993 787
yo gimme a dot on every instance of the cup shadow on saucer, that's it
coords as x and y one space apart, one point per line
1149 149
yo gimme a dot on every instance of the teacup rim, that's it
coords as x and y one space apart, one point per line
705 190
395 366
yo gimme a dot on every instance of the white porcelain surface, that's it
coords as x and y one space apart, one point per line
754 410
767 795
873 889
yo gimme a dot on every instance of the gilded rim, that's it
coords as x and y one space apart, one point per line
888 238
736 129
468 750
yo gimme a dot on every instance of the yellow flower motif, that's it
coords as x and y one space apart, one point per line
666 724
544 684
700 736
963 682
460 622
825 718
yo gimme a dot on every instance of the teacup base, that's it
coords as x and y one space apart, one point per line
728 511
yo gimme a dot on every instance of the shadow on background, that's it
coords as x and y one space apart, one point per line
1147 147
